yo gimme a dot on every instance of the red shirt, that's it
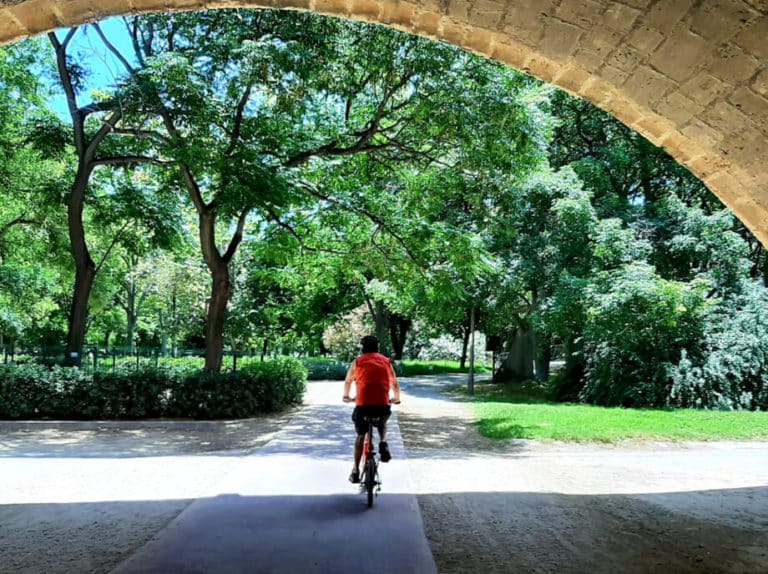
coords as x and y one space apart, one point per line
373 373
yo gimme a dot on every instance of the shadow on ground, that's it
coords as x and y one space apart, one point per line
544 533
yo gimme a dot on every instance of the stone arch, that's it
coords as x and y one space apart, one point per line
690 76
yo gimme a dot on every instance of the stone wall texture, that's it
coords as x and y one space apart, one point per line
689 75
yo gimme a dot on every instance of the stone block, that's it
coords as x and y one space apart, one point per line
677 108
571 79
432 5
487 18
681 55
726 118
706 136
615 76
760 84
589 60
718 20
707 164
428 23
479 41
10 28
525 19
732 64
452 32
624 58
682 148
754 38
645 39
665 14
511 53
654 128
35 16
623 109
333 7
601 40
542 68
647 86
366 9
753 105
400 14
704 88
582 13
596 91
620 17
560 39
459 9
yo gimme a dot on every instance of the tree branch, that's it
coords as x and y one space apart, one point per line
117 53
128 160
282 224
21 220
238 121
237 237
112 245
69 90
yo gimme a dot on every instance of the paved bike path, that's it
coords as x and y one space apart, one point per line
288 508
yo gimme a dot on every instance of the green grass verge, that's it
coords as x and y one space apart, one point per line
416 368
527 411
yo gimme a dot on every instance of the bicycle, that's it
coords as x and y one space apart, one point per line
370 480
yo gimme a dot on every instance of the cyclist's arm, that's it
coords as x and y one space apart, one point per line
394 385
348 380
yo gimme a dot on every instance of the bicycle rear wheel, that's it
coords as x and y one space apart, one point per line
370 479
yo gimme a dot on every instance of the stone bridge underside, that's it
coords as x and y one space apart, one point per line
689 75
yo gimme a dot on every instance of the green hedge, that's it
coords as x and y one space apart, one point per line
36 391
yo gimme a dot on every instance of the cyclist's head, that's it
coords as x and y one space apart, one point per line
370 344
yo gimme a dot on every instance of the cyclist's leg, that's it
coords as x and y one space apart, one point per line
386 456
360 429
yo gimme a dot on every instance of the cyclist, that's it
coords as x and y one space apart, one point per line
374 377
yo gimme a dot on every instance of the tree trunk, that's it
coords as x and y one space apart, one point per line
398 331
573 379
381 320
264 347
85 268
221 291
518 365
543 344
464 344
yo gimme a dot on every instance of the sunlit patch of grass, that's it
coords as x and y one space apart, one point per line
416 368
527 412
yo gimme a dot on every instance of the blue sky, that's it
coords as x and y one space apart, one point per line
103 67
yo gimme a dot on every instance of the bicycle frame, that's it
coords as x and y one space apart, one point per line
370 481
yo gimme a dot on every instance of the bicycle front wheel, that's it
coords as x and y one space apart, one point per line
370 479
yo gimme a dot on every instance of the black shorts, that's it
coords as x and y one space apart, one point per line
378 414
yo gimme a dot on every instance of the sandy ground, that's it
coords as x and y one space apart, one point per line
525 506
82 501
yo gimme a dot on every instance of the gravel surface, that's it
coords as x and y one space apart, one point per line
81 501
528 506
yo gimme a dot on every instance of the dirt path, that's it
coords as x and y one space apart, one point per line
524 506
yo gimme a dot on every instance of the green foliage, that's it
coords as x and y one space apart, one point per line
638 326
320 370
34 391
730 371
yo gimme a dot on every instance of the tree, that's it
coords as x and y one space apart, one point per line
100 137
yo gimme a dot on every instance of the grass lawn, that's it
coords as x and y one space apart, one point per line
526 411
416 368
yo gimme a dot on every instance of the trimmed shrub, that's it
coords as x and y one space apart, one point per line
36 391
319 370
